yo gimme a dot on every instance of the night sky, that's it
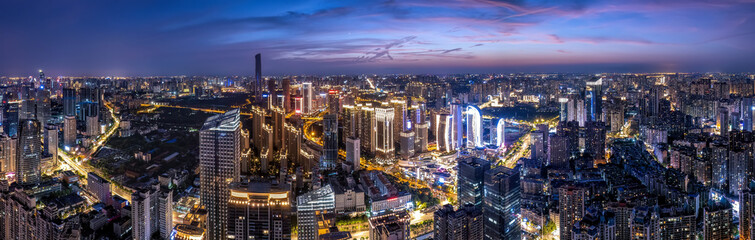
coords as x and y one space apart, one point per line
138 38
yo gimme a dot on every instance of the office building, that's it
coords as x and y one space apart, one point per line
465 223
42 105
474 127
69 131
501 204
407 144
29 152
469 183
330 141
308 95
258 77
100 187
390 226
443 132
353 153
10 118
595 100
93 126
69 101
51 142
383 133
310 209
456 126
421 137
219 157
286 95
259 210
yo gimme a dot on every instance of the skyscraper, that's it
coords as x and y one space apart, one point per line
151 212
571 206
29 152
69 101
717 221
51 141
383 133
259 210
330 141
722 121
306 90
474 127
352 152
258 77
502 199
286 95
93 126
463 224
747 109
310 208
219 158
456 126
8 153
69 131
470 177
334 105
746 211
100 187
595 97
10 118
42 105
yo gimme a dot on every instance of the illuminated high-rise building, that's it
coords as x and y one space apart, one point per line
383 133
279 117
293 144
407 144
51 142
469 181
595 100
443 132
717 221
29 153
334 105
746 211
69 101
258 77
501 203
571 206
10 118
500 133
474 127
306 91
42 105
352 152
456 126
69 131
330 141
259 210
93 126
219 158
8 153
310 208
286 95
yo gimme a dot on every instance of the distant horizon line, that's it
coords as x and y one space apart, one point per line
384 74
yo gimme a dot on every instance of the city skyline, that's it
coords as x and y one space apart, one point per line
311 37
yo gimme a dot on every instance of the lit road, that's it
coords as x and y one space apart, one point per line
83 169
